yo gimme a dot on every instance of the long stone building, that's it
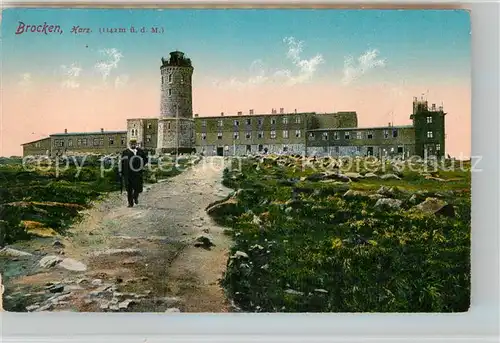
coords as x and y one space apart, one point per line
177 130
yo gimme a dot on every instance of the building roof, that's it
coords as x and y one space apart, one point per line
38 140
88 133
364 128
254 115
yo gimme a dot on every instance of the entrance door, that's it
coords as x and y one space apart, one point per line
220 151
261 147
249 148
370 151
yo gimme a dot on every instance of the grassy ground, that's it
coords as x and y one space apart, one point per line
41 201
308 248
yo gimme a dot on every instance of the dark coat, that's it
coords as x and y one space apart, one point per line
132 167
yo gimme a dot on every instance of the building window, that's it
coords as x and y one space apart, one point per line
359 135
260 121
369 135
236 123
297 120
70 142
311 135
325 136
285 120
285 148
182 79
337 149
429 134
394 133
347 135
285 133
148 138
221 123
249 121
248 135
260 134
429 120
96 141
204 136
122 141
273 134
297 133
101 141
79 142
84 141
438 147
150 126
168 125
169 91
273 121
386 134
236 135
111 141
203 123
169 78
219 135
336 135
400 149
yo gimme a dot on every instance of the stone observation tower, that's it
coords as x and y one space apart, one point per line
176 123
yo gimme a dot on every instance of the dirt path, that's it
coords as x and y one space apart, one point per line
139 259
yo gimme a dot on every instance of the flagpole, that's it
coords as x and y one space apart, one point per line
177 135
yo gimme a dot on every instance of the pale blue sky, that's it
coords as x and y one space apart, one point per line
222 43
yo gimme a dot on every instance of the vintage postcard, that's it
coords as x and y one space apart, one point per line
235 160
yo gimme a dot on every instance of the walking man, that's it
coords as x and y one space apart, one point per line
133 163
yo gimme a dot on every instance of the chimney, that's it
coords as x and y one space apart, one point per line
240 113
389 124
196 115
251 111
433 107
295 110
65 130
102 130
222 114
273 111
282 110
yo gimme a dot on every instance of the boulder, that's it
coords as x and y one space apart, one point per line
353 193
436 206
388 203
390 177
49 261
353 176
73 265
203 241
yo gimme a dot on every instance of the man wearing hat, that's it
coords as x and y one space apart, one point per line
133 162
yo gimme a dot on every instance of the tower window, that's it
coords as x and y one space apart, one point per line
169 91
169 78
429 134
438 147
429 120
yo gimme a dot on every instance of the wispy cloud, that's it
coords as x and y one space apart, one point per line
71 74
121 81
26 80
366 62
113 57
304 69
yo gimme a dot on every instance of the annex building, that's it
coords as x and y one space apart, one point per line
178 130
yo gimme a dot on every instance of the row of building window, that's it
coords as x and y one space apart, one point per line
260 135
170 79
359 135
260 121
59 143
